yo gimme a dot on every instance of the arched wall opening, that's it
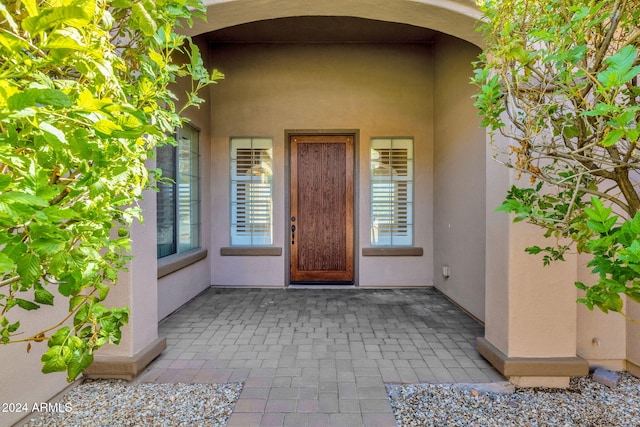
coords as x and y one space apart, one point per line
453 17
384 68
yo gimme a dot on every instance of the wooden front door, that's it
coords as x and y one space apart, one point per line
321 217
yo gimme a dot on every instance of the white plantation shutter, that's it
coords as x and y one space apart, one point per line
251 191
391 192
188 189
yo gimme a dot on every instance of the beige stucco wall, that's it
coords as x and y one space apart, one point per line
176 289
542 308
379 90
530 309
20 378
601 337
497 247
633 337
136 288
459 178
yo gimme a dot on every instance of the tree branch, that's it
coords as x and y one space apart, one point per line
9 281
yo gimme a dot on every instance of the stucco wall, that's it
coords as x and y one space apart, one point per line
178 288
459 178
530 309
542 309
379 90
497 254
453 17
633 337
21 380
601 337
136 288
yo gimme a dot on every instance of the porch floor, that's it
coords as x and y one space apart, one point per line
321 357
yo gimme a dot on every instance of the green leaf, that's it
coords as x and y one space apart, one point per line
43 296
103 290
66 38
5 181
13 327
47 245
197 68
26 305
6 264
612 137
600 109
80 361
23 198
31 6
60 337
613 302
33 97
620 68
63 16
75 301
598 212
106 127
56 359
12 42
145 22
29 268
86 101
52 134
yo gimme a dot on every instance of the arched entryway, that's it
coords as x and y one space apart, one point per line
387 71
452 17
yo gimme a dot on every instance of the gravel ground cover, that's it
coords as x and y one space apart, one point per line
584 403
112 403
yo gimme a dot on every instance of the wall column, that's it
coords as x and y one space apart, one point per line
531 311
138 290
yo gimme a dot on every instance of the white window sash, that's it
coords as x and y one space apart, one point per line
391 191
251 192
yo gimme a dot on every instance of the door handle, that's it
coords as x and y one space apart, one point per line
293 234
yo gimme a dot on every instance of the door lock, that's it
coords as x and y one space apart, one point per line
293 234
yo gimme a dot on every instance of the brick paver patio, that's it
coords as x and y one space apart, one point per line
319 357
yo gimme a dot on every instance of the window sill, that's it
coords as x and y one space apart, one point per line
173 263
393 251
251 251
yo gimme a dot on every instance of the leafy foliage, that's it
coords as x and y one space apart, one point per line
566 75
84 100
561 80
616 259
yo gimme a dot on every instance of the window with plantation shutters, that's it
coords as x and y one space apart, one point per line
391 192
251 191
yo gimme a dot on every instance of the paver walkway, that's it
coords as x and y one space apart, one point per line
319 357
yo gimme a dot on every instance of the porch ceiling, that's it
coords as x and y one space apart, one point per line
322 29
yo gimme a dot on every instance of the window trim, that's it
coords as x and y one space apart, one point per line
246 247
251 251
393 251
195 243
387 249
171 263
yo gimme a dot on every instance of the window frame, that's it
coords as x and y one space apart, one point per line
190 133
251 238
393 238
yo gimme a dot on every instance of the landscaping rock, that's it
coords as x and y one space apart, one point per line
606 377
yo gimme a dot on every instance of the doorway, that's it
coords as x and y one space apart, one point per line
321 216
